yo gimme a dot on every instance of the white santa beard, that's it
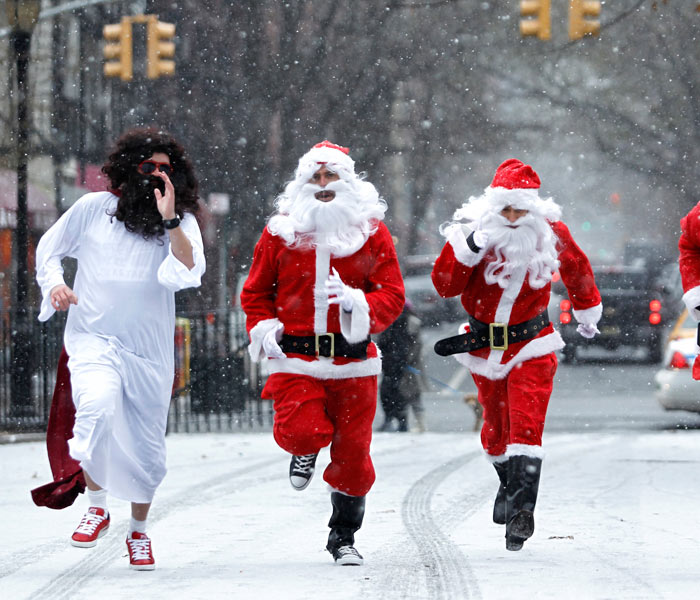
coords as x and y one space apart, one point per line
337 225
531 243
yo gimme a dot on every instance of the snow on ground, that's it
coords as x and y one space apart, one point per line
616 518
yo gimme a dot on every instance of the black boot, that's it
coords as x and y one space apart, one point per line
499 506
346 519
521 496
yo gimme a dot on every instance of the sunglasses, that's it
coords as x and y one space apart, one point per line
148 167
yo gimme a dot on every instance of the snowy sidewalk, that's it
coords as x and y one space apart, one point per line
616 518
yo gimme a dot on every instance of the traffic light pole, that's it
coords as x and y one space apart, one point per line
21 340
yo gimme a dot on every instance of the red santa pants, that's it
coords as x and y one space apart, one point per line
312 413
515 407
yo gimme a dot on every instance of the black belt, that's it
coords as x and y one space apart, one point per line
324 344
496 336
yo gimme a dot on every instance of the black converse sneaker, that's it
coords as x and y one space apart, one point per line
301 470
346 555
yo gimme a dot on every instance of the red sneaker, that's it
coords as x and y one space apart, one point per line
94 525
140 552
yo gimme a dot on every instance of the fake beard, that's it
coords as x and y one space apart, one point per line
137 207
337 225
531 244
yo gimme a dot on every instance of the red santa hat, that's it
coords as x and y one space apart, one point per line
516 184
334 157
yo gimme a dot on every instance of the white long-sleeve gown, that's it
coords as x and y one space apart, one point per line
119 339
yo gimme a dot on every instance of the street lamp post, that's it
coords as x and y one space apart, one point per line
22 16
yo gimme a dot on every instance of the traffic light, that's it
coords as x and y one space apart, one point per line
160 48
541 24
119 50
579 23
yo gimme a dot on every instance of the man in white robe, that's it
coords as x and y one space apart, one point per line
136 245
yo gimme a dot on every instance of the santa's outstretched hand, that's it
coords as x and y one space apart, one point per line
338 292
270 342
587 330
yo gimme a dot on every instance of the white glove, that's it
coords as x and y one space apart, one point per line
338 292
481 238
587 330
270 343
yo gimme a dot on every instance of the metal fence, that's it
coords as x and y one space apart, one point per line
216 386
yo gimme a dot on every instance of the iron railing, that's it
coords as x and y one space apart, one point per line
216 386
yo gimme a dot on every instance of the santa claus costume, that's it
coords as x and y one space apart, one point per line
689 263
502 250
324 277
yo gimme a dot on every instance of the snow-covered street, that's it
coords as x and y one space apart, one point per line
616 518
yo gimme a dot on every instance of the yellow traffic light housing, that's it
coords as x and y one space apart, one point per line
119 50
579 22
160 48
541 24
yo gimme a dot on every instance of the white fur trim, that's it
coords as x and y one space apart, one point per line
332 489
589 316
323 267
334 160
692 299
524 199
323 368
533 349
256 337
355 325
496 459
463 253
524 450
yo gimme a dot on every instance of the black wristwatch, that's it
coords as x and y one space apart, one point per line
171 223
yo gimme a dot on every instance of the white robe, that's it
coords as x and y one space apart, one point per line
119 338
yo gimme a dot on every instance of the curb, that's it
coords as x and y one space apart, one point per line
14 438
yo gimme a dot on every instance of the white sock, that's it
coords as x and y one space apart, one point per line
97 498
139 526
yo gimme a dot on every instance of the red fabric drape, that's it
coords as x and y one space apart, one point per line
68 480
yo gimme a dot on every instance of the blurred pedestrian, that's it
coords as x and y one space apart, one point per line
136 245
324 277
402 372
501 263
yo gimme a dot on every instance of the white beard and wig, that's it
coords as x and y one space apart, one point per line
528 242
341 225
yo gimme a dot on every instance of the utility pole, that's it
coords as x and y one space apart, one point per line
22 16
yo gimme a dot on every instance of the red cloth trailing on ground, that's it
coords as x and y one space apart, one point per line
68 479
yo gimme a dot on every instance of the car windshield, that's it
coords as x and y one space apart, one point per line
622 280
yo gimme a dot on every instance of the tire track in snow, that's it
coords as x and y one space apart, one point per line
447 570
67 585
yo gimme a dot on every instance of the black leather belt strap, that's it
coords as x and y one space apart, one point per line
496 336
324 344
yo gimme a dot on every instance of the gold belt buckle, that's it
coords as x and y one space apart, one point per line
320 335
496 326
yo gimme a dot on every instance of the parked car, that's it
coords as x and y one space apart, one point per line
635 312
675 387
428 305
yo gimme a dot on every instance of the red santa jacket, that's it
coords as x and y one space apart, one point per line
689 260
460 271
286 285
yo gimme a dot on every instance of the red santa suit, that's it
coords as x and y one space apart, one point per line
324 400
689 264
514 384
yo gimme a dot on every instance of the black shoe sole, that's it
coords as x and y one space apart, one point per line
520 528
